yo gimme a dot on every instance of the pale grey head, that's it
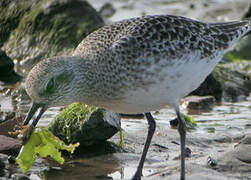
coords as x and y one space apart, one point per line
53 82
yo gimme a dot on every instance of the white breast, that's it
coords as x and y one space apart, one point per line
178 80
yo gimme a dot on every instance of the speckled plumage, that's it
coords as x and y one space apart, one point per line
134 66
135 53
118 65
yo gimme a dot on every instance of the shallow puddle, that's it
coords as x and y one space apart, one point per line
225 119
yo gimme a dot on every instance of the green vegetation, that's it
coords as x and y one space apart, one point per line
43 143
85 124
46 28
70 121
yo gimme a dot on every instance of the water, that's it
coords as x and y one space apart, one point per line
232 119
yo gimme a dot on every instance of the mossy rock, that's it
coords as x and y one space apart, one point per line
7 73
51 28
85 124
225 83
10 16
240 52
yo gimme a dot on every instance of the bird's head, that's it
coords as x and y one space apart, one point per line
49 84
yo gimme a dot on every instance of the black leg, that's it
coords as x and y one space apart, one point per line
151 129
182 132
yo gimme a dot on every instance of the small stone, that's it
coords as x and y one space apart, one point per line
7 73
198 103
107 10
34 177
188 152
192 6
11 159
85 124
211 162
18 176
9 145
133 116
2 164
238 159
190 123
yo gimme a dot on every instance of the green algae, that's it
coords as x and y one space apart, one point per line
42 142
10 16
85 124
54 27
70 120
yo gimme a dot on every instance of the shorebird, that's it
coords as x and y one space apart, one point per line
133 66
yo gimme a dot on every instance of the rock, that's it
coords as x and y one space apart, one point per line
35 177
211 162
10 16
238 159
5 116
11 159
225 84
85 124
18 176
198 103
133 116
190 123
107 10
9 145
210 87
248 13
243 149
10 122
7 73
2 164
48 28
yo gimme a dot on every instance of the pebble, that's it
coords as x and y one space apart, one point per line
2 164
198 103
11 159
18 176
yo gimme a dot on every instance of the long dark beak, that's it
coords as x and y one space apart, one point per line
34 108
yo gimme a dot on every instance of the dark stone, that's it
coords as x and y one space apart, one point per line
107 10
18 176
85 124
211 162
2 164
225 84
198 103
9 145
248 13
210 87
10 122
11 159
133 116
190 123
7 73
238 159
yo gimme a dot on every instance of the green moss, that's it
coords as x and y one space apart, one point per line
53 27
10 15
241 51
70 120
85 124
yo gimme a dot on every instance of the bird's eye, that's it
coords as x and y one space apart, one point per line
50 86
